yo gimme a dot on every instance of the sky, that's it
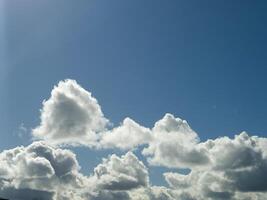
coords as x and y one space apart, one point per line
202 61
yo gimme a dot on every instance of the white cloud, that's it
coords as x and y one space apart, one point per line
121 173
237 170
40 171
117 177
37 170
50 173
202 185
126 136
70 116
175 145
242 160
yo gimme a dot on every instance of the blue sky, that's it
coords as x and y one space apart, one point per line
203 61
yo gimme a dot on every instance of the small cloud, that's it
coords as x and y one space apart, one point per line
21 131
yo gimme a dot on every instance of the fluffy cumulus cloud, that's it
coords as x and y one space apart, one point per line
38 171
242 160
123 173
237 170
219 169
70 116
175 144
126 136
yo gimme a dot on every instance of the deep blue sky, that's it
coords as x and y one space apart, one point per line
203 61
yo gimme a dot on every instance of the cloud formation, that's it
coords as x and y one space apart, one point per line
70 116
237 168
175 144
38 171
121 173
126 136
220 169
242 160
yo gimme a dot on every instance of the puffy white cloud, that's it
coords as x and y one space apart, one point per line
201 184
40 171
242 160
126 136
237 170
70 116
121 173
228 165
37 171
175 144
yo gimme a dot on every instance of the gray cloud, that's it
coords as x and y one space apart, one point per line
109 195
160 193
23 194
241 160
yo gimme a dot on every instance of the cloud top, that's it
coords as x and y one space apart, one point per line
70 116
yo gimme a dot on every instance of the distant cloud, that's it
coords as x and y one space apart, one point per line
220 169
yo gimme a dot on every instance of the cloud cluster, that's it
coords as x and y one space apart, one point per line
41 171
38 171
220 169
237 170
